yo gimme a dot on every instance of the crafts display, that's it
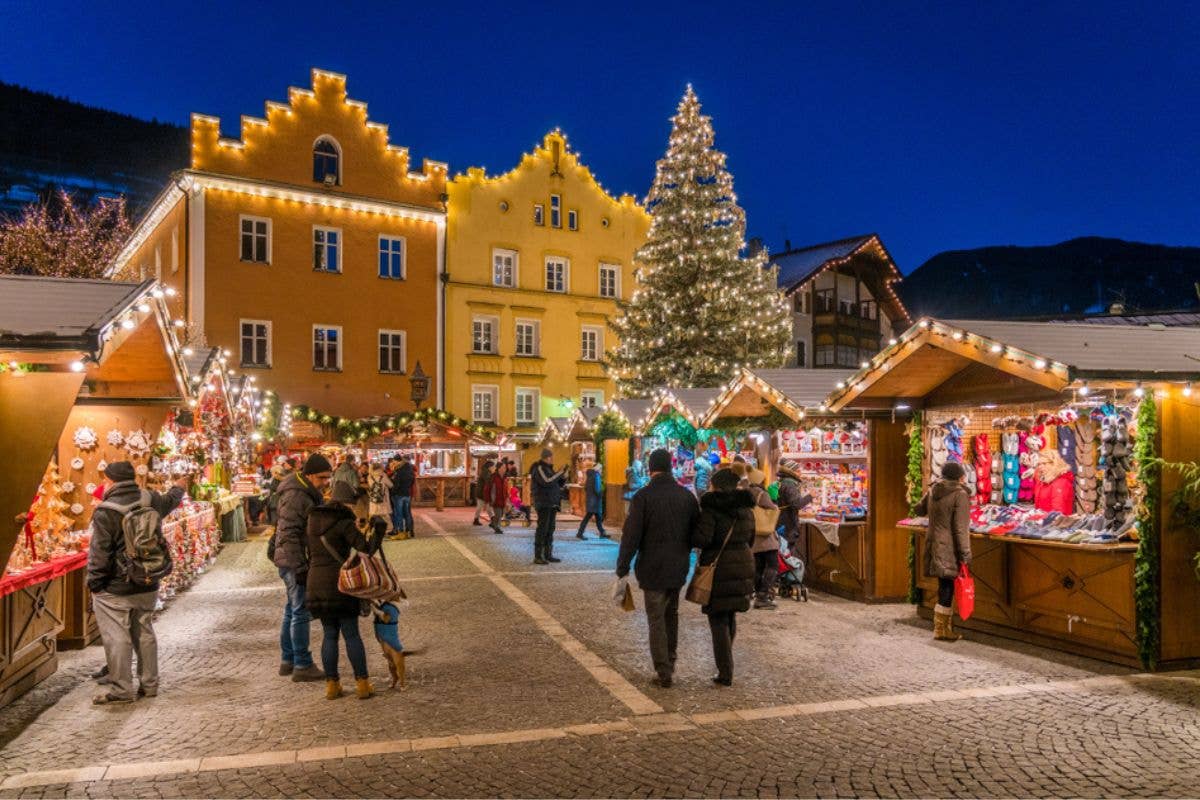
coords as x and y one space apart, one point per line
835 439
47 532
1035 523
194 537
838 489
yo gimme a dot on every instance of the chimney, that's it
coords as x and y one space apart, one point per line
754 246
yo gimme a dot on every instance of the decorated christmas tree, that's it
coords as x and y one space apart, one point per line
46 530
701 309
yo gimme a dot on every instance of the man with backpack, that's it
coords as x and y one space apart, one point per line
127 558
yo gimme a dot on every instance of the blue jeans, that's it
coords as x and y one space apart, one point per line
348 628
293 634
402 518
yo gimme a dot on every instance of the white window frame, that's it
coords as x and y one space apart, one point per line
242 340
566 274
616 270
598 330
535 409
391 237
175 249
537 337
572 219
596 396
556 220
492 320
539 214
244 218
337 146
504 252
403 350
341 248
493 391
341 347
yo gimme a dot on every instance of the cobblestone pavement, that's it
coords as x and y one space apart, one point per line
529 684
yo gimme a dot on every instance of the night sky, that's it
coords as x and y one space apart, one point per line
939 126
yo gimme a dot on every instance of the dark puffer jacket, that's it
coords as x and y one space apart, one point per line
733 582
297 498
104 571
659 530
547 485
337 524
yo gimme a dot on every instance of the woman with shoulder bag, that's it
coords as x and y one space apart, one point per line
948 542
766 540
333 530
724 535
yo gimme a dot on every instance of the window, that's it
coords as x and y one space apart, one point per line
527 407
327 347
801 354
823 355
483 403
847 307
539 214
483 335
610 275
591 343
800 302
528 343
174 250
573 220
556 274
847 355
391 257
158 262
868 310
555 211
504 268
392 352
327 249
591 398
327 162
824 301
256 239
256 343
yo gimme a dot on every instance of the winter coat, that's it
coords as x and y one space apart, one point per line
338 525
729 513
791 502
108 539
658 530
481 483
770 542
495 494
548 485
948 543
347 474
403 479
593 492
297 497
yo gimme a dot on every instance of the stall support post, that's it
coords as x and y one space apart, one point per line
441 494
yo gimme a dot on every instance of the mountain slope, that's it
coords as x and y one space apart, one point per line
1086 274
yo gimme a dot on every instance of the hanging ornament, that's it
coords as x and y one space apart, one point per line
85 438
76 463
137 443
76 509
90 488
68 487
103 465
141 469
115 438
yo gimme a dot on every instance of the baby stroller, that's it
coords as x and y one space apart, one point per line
790 582
516 509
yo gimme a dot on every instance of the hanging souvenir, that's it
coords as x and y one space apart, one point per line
103 465
76 463
85 438
90 488
68 487
137 443
141 469
115 438
76 509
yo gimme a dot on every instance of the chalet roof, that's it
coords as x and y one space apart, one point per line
798 265
48 313
697 401
632 408
804 388
1171 319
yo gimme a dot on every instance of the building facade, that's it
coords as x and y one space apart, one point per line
537 259
308 249
844 308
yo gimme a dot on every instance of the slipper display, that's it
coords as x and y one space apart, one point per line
938 453
1085 434
1011 478
1117 461
983 469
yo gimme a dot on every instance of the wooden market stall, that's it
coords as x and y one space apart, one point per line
851 463
1059 423
621 457
440 450
570 438
85 363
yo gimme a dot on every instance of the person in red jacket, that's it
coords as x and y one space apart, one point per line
1054 487
496 494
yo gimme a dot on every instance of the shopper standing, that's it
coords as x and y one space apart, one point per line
347 473
791 500
724 535
496 495
125 588
379 487
658 533
333 530
402 489
299 494
766 546
593 494
547 490
948 544
482 479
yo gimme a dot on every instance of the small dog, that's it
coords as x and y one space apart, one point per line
387 632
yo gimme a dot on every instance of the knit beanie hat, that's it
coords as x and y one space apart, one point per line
547 453
659 461
725 480
119 471
316 463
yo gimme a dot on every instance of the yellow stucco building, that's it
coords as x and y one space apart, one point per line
308 249
536 260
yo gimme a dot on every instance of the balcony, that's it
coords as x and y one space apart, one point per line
590 369
485 363
528 366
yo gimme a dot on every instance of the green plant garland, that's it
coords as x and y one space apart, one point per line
1146 572
357 430
1185 501
914 482
609 425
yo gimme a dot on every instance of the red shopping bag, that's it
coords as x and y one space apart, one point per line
964 593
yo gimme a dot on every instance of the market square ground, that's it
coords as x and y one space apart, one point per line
529 684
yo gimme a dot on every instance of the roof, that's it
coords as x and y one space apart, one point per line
797 266
804 388
49 309
1097 350
589 413
1172 319
697 401
632 408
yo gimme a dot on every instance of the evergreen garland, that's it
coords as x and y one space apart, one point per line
914 482
609 425
357 430
1146 572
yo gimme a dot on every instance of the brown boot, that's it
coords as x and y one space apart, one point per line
333 689
363 688
943 625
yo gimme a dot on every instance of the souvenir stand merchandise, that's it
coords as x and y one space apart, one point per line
88 371
851 464
570 439
1073 541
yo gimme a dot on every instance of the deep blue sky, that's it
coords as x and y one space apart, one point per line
940 126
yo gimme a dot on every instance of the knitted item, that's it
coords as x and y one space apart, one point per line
1118 463
937 451
1086 453
1012 468
953 440
1028 464
983 469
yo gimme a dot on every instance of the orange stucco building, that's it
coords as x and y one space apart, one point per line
308 249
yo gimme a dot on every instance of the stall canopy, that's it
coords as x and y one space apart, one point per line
939 362
632 409
793 392
692 404
554 431
67 342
